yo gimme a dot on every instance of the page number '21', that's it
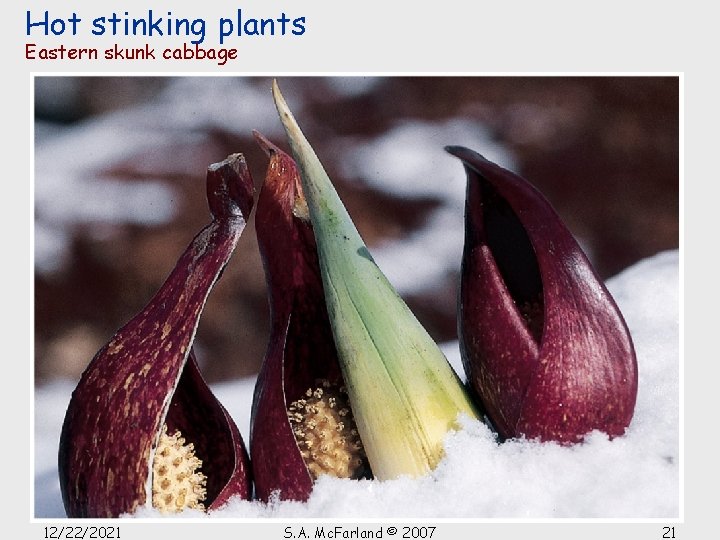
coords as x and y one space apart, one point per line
668 532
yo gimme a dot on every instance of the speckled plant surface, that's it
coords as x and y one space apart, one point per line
146 378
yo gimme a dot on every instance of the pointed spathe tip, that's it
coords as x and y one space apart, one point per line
465 153
264 143
453 149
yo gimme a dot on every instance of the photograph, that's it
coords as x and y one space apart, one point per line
357 297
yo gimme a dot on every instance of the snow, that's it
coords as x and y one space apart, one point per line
633 476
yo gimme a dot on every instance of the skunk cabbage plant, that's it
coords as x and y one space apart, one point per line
302 425
543 343
142 427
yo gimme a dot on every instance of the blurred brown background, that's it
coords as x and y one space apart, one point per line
604 150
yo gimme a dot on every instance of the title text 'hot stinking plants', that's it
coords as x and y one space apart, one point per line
351 384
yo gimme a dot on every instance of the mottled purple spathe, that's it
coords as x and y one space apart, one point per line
543 343
142 378
301 348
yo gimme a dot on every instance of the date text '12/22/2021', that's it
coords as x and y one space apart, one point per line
86 532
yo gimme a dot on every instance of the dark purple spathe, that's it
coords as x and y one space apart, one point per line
147 375
543 343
